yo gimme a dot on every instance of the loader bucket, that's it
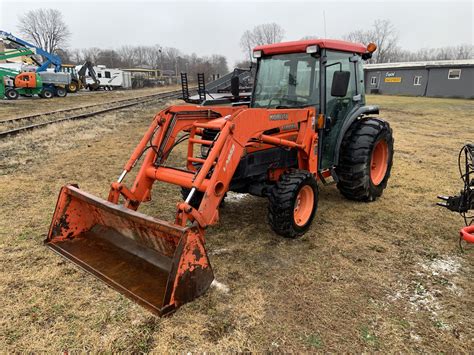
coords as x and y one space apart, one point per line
155 263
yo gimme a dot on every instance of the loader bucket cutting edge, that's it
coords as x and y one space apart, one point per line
155 263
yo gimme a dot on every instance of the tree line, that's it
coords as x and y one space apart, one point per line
382 32
46 29
170 60
385 35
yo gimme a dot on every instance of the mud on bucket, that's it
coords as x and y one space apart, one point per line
155 263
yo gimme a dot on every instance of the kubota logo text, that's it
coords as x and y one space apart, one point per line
229 156
278 116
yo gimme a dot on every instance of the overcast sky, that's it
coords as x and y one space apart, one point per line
205 27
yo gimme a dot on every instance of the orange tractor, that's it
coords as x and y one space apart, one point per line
306 121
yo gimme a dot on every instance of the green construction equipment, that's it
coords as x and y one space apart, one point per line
14 83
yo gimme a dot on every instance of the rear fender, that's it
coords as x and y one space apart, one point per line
351 118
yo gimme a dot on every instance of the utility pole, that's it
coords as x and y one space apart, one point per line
161 60
176 69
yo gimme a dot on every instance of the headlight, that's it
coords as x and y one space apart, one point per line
312 49
257 54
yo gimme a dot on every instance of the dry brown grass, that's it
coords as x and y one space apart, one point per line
36 105
384 276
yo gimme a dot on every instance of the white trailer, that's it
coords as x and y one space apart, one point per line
111 78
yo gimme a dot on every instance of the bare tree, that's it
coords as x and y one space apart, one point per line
109 58
155 57
76 56
64 54
244 64
383 34
45 28
170 57
463 51
91 54
262 34
127 55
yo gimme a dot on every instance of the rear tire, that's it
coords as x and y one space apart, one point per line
293 202
11 94
365 160
46 94
61 92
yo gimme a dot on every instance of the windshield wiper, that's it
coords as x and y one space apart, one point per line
297 106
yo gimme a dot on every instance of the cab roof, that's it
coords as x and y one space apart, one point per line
300 46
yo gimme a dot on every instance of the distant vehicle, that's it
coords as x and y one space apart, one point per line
16 81
79 74
55 82
14 84
111 79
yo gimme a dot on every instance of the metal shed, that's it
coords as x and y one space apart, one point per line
444 78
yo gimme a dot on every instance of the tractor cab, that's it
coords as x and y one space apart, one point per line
325 74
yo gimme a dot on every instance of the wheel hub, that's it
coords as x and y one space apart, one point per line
379 162
303 205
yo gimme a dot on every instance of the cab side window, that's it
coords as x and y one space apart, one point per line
338 107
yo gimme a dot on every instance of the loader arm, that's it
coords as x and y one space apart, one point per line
244 129
238 129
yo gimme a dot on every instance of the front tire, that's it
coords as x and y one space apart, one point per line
293 202
365 160
73 87
11 94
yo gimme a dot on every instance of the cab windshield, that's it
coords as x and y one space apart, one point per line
287 81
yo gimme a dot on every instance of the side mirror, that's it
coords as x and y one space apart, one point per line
235 86
340 83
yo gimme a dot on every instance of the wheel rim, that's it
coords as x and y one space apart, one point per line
303 205
379 162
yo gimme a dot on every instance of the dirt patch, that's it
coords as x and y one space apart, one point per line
386 276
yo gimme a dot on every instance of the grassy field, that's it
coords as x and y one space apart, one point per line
385 276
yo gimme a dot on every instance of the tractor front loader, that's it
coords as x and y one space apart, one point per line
293 133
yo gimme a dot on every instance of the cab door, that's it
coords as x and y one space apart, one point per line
336 109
